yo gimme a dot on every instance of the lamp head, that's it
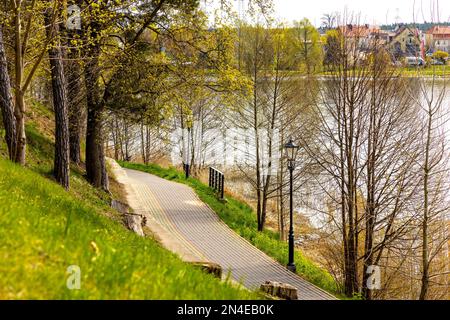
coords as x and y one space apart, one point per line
291 150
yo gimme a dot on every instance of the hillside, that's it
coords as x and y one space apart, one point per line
45 229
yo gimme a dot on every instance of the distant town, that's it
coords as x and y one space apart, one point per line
427 43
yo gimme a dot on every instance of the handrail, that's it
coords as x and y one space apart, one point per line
217 181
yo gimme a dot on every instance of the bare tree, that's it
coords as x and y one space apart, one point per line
435 170
329 21
367 153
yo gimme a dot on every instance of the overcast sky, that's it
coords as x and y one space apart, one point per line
370 11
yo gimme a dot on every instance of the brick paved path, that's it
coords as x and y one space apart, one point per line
196 228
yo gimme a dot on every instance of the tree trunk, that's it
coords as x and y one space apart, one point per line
21 138
371 187
74 71
143 153
95 153
19 111
119 150
61 161
93 130
127 139
114 137
6 102
75 105
96 98
102 160
93 163
425 281
258 164
147 144
280 186
95 160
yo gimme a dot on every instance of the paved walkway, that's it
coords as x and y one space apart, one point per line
190 228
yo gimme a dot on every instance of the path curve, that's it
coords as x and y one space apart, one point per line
190 228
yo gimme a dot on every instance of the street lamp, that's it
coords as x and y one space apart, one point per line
291 150
187 167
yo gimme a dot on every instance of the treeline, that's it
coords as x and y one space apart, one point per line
425 26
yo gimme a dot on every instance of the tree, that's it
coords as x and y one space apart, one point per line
390 163
306 41
26 61
103 18
180 73
366 156
441 56
6 101
329 21
434 204
331 48
270 115
73 70
257 53
61 159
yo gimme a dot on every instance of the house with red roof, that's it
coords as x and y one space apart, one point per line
438 38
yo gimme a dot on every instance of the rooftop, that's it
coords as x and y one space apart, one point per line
439 30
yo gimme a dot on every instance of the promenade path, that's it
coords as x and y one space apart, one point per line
188 227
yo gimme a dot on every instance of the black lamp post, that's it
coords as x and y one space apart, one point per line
187 166
291 153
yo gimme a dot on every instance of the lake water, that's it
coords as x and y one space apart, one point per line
231 148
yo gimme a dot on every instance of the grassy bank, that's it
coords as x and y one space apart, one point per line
241 218
413 72
44 230
429 71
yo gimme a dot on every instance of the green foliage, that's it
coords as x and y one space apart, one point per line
263 48
307 45
333 43
440 55
151 76
241 218
45 229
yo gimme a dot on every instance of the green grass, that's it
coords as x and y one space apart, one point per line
429 71
44 230
241 218
438 71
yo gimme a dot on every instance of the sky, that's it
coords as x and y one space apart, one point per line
374 12
370 11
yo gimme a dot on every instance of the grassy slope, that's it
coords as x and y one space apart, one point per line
241 218
44 229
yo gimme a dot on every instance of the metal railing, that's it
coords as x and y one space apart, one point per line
217 181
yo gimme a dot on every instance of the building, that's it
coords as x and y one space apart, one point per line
359 35
438 38
406 42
